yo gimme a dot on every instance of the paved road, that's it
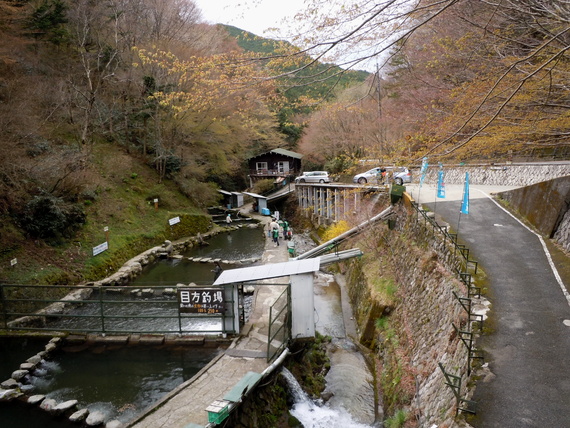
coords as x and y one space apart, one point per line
528 347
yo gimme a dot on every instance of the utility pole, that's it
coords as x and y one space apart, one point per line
379 101
378 91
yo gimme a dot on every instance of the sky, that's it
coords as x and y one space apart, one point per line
257 16
254 16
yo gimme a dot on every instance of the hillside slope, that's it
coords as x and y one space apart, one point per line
120 197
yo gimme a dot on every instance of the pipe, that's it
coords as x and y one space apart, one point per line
275 363
317 250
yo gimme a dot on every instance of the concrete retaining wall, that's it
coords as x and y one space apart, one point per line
562 234
543 204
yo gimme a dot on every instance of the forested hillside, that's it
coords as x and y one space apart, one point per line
458 81
108 106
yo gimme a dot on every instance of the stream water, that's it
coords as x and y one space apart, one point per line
243 244
349 383
313 414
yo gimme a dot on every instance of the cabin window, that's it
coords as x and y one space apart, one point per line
283 166
261 167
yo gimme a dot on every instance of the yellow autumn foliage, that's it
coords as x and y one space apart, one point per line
335 230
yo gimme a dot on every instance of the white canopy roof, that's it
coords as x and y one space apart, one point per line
255 195
258 273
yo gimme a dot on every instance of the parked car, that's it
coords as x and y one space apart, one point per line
398 174
313 177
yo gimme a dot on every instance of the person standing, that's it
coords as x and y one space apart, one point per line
228 219
285 228
217 270
381 175
276 236
274 227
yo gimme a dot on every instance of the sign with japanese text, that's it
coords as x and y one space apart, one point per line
174 220
100 248
201 300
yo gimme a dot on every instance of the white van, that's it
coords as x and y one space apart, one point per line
313 177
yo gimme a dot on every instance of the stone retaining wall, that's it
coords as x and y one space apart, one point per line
423 317
498 174
430 282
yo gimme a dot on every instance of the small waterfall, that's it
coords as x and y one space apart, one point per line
314 415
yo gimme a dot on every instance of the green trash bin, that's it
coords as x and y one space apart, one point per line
396 193
291 249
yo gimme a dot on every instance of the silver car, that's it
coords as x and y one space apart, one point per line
398 174
313 177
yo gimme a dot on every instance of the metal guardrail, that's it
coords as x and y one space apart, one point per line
454 382
468 267
279 324
105 310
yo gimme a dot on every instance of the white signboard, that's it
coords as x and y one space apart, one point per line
13 262
106 229
174 220
100 248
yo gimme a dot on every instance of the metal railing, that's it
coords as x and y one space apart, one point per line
467 338
105 310
454 382
279 324
465 271
467 267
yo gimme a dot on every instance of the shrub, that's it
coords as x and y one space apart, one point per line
335 230
396 421
201 194
49 217
263 186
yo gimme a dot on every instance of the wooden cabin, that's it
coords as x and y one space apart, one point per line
277 163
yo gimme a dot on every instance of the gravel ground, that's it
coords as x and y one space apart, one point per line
303 243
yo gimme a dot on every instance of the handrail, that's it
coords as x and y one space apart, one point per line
284 328
454 382
102 313
464 274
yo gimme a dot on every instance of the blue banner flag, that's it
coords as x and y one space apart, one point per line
423 170
465 201
440 185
